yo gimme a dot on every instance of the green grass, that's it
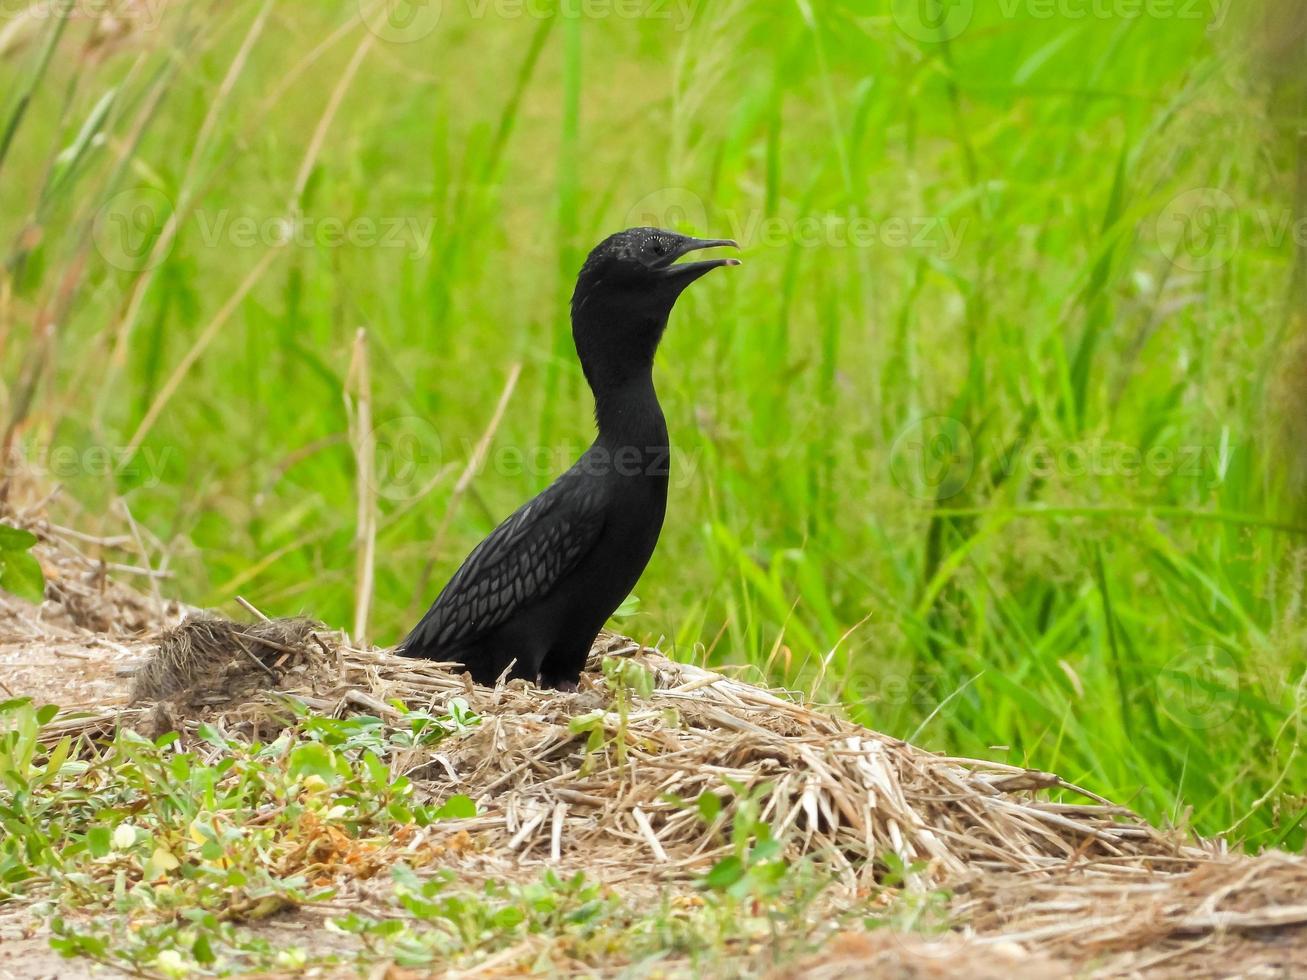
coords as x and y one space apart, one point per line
993 438
175 857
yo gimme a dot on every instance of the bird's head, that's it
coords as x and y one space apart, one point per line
625 293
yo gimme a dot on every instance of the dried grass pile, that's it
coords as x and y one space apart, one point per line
1229 916
1024 856
841 795
209 662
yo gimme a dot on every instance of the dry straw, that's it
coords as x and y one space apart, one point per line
1024 856
843 795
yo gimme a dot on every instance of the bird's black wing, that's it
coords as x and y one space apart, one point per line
521 562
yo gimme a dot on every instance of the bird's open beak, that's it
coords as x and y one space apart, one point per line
687 272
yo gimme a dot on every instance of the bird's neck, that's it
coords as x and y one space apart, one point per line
628 414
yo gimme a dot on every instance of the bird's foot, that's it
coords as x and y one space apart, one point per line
560 684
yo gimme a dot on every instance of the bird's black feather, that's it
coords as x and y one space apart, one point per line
520 563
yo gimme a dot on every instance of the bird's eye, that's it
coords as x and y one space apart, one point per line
660 249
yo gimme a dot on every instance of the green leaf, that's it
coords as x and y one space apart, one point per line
312 759
399 812
630 675
457 808
509 917
15 539
20 574
586 722
99 841
378 771
58 756
710 805
724 873
201 949
584 913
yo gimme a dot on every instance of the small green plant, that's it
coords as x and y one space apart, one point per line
756 867
452 920
162 857
755 879
30 777
910 908
181 844
20 572
626 681
627 678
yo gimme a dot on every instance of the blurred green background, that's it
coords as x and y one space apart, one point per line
996 438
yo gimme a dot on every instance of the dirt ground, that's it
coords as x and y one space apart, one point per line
1039 888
